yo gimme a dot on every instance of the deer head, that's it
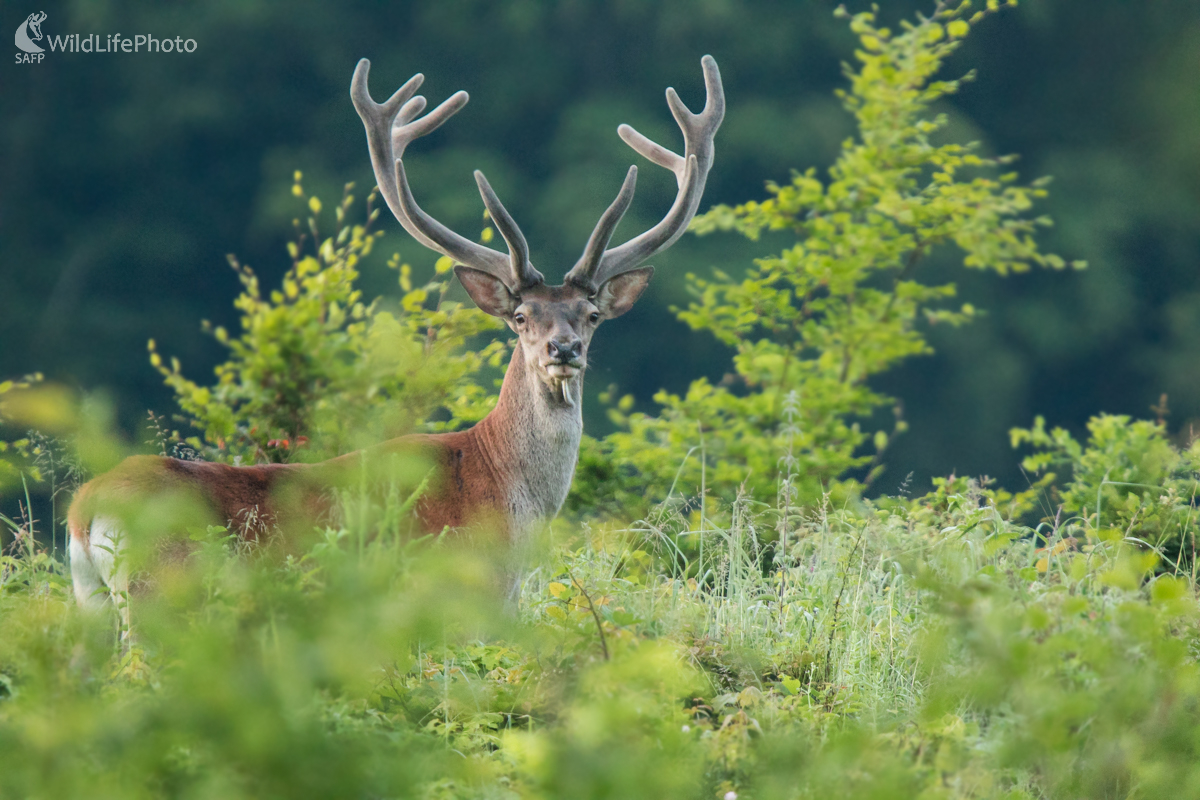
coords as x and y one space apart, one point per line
554 324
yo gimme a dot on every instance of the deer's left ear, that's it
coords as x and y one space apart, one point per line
619 293
488 292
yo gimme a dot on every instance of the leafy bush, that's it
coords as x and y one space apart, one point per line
816 322
316 366
1128 481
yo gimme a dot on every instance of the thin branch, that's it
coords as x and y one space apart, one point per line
595 615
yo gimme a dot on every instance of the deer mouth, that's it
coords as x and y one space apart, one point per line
563 370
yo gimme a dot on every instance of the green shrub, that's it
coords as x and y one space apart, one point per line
1128 482
317 372
818 321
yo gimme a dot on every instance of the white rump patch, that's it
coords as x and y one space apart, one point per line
94 567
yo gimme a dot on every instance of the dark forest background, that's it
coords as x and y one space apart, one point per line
125 179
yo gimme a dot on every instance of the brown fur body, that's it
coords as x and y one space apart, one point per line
474 477
251 500
231 493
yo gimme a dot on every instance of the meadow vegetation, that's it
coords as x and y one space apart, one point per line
720 613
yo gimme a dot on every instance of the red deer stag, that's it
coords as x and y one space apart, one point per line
513 468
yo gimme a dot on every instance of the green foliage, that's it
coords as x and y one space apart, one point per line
61 441
250 677
317 368
817 647
1128 480
933 648
15 455
818 321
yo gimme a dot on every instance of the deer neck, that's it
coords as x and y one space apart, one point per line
532 439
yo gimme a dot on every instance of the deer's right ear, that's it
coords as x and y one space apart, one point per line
488 292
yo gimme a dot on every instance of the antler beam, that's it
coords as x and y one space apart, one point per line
598 264
390 127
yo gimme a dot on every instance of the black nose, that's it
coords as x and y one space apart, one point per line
565 351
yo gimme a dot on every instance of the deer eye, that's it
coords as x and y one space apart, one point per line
519 319
594 317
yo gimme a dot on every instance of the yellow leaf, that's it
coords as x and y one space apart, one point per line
958 28
444 264
314 205
557 588
1043 565
487 234
414 300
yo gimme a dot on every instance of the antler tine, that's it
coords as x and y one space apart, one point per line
583 270
377 119
691 172
391 127
524 275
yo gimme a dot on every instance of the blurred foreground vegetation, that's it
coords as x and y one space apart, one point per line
718 613
932 647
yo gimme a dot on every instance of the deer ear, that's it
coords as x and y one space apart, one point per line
618 294
488 292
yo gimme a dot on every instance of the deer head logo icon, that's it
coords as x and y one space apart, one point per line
30 31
